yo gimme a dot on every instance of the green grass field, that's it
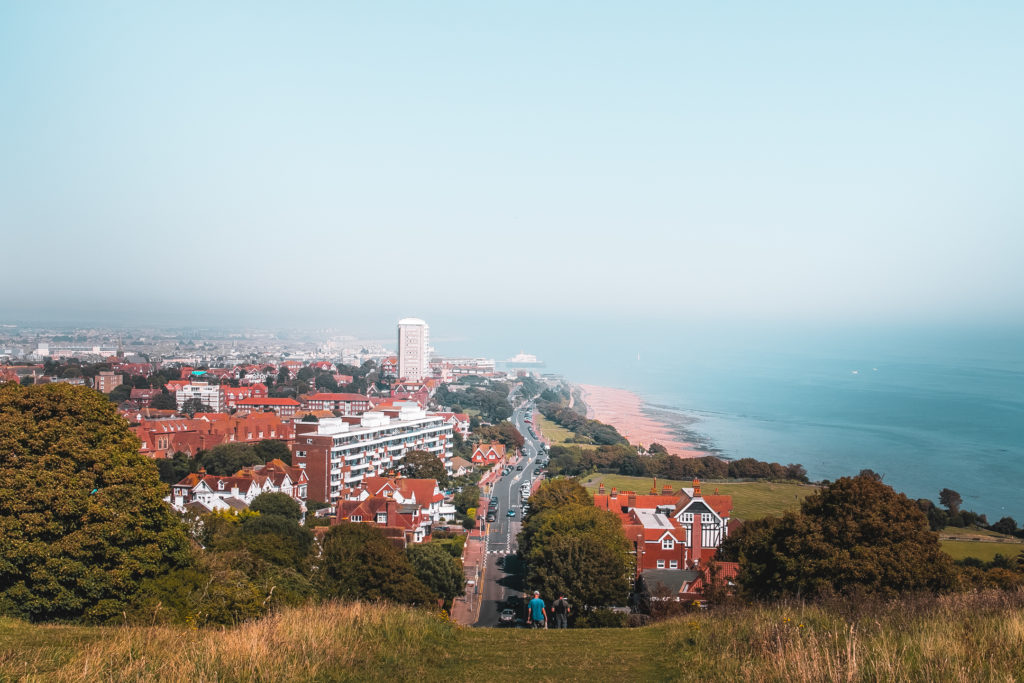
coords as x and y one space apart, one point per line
981 550
950 638
750 499
551 431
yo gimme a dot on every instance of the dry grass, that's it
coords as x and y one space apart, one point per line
965 637
323 642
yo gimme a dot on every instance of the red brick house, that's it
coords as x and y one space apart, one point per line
489 453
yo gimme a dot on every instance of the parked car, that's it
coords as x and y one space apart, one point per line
507 616
536 471
491 516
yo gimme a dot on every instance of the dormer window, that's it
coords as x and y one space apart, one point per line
382 518
668 544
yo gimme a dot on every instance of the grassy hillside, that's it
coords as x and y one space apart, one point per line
963 637
750 499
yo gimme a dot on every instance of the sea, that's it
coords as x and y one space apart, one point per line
926 407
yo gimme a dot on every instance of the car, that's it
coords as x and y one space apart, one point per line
536 471
491 516
494 500
507 616
511 512
519 468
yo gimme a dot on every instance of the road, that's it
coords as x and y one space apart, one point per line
498 585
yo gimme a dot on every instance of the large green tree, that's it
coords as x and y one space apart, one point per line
574 549
82 520
559 493
359 563
424 465
856 535
437 569
270 503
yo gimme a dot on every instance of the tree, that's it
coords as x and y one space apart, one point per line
282 504
359 563
468 497
164 401
559 493
504 433
191 406
122 392
1006 525
424 465
855 535
173 469
227 458
82 517
950 500
437 569
579 551
273 449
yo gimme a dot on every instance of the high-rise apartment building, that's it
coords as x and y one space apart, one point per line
413 358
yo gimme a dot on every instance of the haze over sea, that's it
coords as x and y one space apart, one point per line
927 408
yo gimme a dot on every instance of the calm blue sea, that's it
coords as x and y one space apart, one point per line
926 408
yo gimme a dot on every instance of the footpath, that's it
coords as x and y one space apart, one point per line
466 609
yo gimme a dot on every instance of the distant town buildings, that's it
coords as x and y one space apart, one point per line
107 380
208 394
413 341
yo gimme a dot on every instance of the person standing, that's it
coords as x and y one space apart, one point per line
562 610
536 615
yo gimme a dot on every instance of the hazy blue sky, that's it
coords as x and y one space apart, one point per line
308 161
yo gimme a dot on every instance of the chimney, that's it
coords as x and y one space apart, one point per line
697 538
614 492
696 487
666 490
654 487
631 500
600 489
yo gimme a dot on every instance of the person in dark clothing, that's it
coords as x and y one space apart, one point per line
562 610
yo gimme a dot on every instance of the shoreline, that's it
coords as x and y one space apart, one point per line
642 424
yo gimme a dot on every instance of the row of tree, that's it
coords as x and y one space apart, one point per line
585 430
624 459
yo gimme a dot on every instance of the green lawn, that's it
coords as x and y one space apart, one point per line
981 550
550 430
750 499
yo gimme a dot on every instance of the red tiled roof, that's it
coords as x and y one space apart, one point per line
324 396
257 401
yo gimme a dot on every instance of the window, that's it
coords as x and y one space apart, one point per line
661 564
356 518
668 544
382 518
687 518
673 564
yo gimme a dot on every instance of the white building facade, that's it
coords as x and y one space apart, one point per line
413 355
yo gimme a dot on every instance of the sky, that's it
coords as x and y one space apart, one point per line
311 162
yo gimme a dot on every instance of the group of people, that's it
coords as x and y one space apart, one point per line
537 612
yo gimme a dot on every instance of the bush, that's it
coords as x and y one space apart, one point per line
602 618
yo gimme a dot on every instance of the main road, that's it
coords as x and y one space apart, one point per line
498 586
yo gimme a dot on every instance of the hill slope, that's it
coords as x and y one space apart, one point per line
976 637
